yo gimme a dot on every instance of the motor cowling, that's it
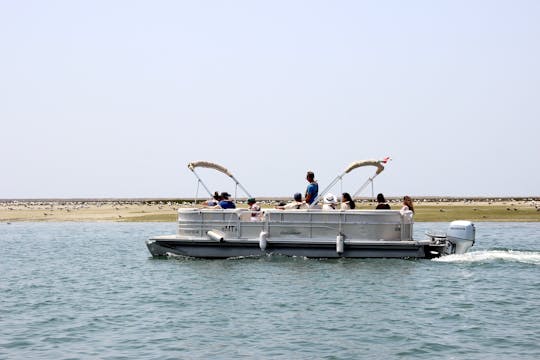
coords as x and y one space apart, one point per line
462 234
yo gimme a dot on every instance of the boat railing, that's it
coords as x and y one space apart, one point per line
309 223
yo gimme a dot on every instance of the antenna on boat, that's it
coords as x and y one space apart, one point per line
351 167
222 169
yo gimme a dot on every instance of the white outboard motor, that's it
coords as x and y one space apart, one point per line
461 234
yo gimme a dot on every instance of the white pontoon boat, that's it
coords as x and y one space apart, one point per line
312 232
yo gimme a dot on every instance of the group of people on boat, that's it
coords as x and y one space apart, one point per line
220 201
382 204
330 201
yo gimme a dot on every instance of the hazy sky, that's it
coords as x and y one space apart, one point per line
114 98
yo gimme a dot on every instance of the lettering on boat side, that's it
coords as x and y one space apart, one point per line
229 228
290 232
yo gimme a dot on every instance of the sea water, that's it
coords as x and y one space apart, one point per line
91 290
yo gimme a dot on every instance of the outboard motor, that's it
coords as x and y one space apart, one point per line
461 234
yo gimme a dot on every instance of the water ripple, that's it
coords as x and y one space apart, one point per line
81 291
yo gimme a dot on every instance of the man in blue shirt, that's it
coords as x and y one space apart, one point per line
225 203
312 189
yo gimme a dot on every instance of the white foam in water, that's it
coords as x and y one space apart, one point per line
528 257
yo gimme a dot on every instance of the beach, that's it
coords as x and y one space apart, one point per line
163 210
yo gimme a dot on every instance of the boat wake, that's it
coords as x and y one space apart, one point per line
526 257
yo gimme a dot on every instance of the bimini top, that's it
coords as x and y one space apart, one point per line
377 163
357 164
210 165
207 164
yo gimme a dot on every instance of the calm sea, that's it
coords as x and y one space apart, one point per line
91 290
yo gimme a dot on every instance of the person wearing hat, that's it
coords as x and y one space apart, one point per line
255 209
225 202
312 189
297 203
329 202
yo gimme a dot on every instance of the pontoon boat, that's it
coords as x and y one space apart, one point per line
312 232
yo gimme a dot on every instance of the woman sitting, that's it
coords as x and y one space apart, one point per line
347 203
407 204
381 203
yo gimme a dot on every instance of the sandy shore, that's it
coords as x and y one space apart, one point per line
427 209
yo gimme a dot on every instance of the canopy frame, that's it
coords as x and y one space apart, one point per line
210 165
354 165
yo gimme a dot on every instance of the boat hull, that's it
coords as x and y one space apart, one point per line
167 246
215 233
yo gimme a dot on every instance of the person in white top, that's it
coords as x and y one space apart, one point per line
407 204
255 209
216 198
329 202
347 203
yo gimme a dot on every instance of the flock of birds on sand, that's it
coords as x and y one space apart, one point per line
50 207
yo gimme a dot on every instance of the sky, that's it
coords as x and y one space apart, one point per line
115 98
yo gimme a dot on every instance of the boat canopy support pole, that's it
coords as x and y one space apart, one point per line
206 164
370 180
197 193
241 187
354 165
201 182
322 193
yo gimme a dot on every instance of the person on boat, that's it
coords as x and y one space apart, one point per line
225 202
347 203
329 202
407 204
255 209
216 198
312 189
381 202
297 203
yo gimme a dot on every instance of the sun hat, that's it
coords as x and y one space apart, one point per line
251 201
330 199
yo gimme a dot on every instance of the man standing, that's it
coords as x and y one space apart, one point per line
312 189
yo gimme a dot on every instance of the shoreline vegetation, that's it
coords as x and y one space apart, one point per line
427 209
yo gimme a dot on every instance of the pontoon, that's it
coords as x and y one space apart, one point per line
312 232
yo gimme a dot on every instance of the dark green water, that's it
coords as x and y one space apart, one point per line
91 290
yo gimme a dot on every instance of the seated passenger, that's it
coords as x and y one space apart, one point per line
347 203
225 203
407 204
329 202
255 208
381 203
297 203
214 201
